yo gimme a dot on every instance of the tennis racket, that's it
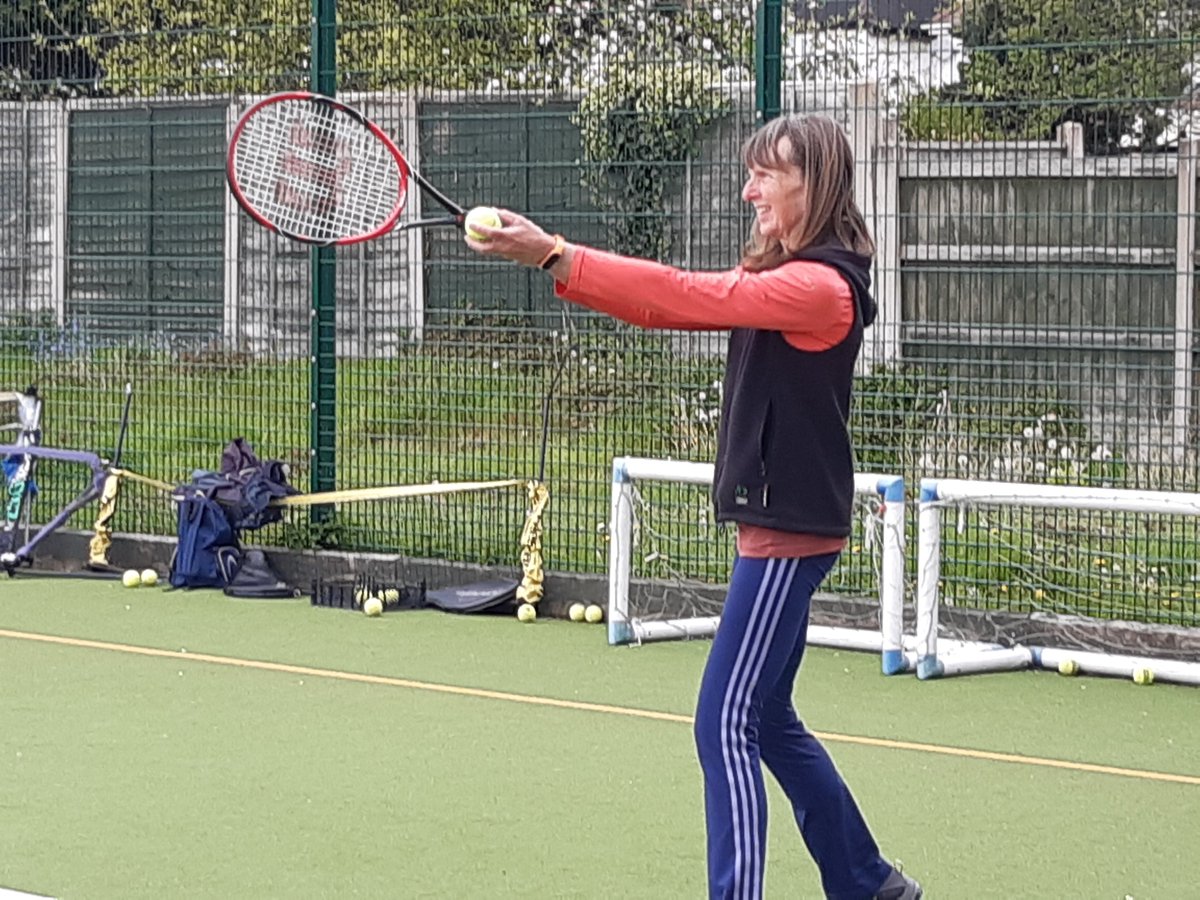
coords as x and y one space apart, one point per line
317 171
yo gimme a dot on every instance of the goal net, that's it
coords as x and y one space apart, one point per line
670 562
1101 580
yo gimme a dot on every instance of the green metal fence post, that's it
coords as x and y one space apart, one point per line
768 60
323 333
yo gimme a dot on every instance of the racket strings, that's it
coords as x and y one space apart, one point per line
314 171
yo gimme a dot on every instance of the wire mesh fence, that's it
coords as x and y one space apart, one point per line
1030 181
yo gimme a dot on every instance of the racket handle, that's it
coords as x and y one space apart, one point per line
437 195
431 223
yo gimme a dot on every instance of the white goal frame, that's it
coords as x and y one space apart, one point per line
938 658
897 652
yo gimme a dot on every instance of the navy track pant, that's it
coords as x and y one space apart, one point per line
745 715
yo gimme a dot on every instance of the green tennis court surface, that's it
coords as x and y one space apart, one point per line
189 745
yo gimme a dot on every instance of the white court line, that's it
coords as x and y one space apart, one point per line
8 894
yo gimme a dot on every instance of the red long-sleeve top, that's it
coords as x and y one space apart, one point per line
810 303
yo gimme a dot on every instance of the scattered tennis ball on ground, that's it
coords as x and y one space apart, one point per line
149 577
391 595
481 215
373 606
594 614
131 578
1142 675
1068 667
576 612
526 612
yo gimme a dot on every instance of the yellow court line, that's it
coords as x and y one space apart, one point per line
482 693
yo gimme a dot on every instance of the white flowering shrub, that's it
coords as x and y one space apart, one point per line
925 424
698 418
577 41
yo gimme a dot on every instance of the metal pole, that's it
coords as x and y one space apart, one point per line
768 60
323 267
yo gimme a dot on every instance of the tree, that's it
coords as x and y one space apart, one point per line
649 69
222 46
39 51
653 72
1116 66
218 46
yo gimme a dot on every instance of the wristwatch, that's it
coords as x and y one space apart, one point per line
555 253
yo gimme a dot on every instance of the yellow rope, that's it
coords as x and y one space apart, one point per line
391 491
385 492
142 479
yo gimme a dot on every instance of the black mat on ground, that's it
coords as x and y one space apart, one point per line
494 595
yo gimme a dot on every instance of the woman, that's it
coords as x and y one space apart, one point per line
796 308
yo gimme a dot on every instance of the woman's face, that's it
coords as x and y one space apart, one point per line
777 195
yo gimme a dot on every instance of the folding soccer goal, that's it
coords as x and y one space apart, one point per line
669 562
1104 580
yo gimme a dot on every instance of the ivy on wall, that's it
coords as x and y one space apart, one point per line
637 129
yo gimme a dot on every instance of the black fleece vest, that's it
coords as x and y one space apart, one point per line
784 458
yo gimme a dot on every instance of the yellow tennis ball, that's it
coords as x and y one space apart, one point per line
481 215
526 613
391 595
149 577
1068 667
1142 675
576 612
373 606
594 614
131 578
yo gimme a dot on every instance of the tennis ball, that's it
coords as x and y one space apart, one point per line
1068 667
594 614
526 612
372 606
149 577
391 595
131 578
481 215
576 612
1142 675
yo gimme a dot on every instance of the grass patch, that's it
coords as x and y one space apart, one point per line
466 404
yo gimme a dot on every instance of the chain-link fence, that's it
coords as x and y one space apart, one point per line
1027 169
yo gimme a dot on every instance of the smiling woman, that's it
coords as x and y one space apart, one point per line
777 195
801 184
795 309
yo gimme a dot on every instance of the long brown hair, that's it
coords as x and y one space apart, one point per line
822 154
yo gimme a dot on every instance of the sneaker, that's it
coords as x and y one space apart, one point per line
899 887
